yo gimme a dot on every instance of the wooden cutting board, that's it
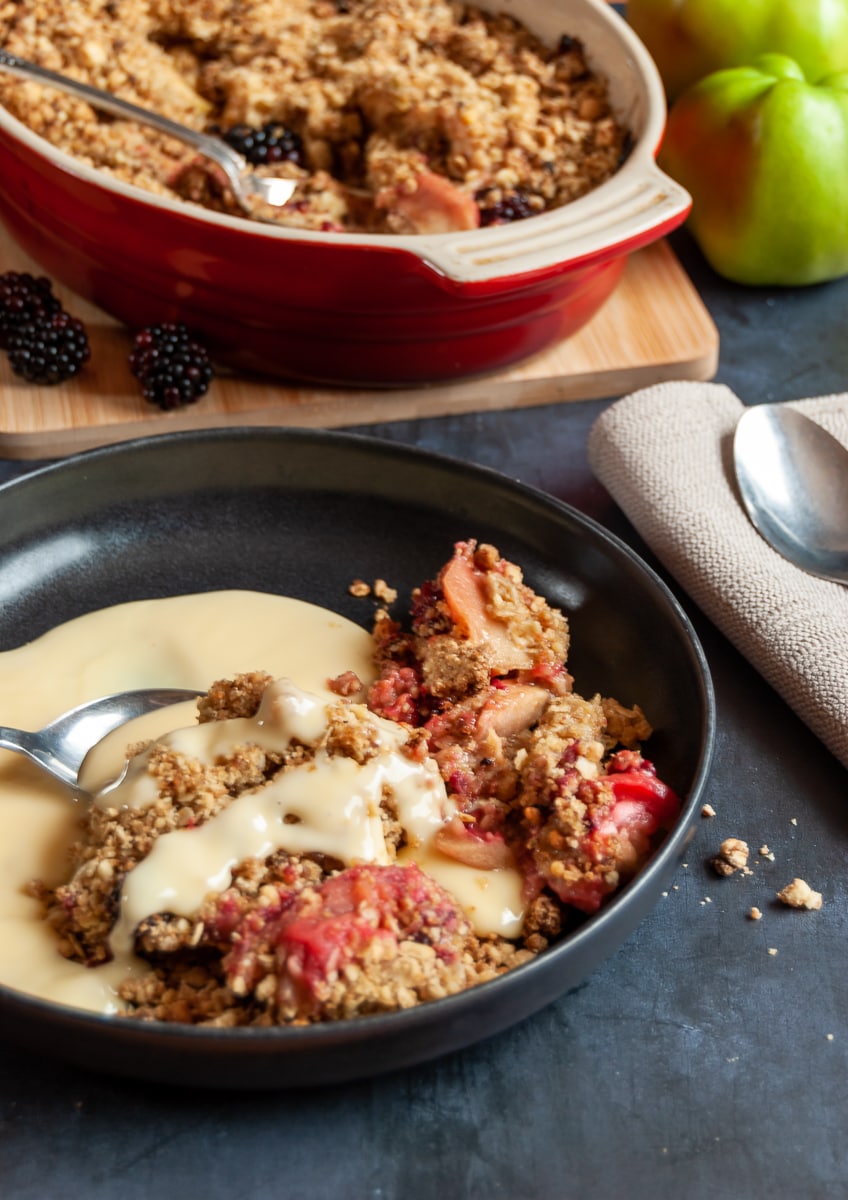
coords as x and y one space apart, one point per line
653 327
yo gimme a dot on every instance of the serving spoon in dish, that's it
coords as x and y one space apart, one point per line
249 189
61 747
793 476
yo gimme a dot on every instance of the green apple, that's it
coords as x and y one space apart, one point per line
764 155
691 38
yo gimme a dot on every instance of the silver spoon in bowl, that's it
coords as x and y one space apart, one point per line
793 476
60 747
247 187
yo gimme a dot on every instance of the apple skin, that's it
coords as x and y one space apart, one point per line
764 155
689 39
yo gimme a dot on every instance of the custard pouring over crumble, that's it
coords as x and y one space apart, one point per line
393 116
469 757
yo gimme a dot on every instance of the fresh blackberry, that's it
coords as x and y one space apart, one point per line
23 298
50 349
512 206
172 368
271 143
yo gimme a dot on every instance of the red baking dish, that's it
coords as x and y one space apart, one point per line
358 309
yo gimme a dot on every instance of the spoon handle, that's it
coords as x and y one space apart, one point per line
35 748
211 147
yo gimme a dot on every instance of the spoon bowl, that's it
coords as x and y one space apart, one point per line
249 189
793 478
60 747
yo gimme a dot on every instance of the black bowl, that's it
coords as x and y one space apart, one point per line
302 514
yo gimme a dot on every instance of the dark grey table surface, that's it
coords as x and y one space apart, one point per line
692 1064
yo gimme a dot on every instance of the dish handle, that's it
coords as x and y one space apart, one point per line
639 205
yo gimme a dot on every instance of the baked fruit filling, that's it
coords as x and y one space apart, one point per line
293 859
539 773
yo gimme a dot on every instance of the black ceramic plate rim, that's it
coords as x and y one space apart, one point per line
275 1038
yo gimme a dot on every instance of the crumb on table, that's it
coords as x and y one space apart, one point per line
383 592
732 856
799 894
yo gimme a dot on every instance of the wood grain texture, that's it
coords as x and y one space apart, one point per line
654 327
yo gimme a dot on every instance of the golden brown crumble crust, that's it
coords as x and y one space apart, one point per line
384 94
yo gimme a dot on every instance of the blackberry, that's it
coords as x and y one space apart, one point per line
271 143
512 206
568 44
23 299
172 368
50 349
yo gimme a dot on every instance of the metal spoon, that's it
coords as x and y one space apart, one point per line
60 747
793 476
247 187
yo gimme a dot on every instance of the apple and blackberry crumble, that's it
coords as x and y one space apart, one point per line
393 116
292 859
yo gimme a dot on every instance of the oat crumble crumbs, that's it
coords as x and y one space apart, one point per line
401 116
732 856
347 684
755 914
772 951
766 853
708 811
359 588
383 592
799 894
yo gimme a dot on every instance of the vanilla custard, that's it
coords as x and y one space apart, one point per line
331 807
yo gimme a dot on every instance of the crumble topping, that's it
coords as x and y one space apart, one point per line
480 757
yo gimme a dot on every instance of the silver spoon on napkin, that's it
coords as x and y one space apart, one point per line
246 186
793 476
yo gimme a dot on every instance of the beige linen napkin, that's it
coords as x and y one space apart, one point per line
665 456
